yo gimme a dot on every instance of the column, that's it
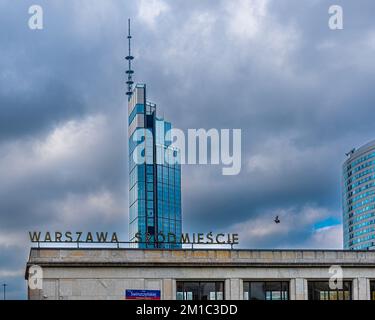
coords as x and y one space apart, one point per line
363 289
168 290
235 289
301 289
355 289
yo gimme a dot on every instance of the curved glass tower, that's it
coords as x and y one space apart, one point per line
359 198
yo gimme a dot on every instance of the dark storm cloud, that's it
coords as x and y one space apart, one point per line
300 92
13 259
59 73
30 114
50 182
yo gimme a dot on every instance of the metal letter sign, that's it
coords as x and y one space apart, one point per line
142 294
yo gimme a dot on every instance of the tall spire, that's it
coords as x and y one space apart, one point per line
129 72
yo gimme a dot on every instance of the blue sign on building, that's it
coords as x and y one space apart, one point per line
142 294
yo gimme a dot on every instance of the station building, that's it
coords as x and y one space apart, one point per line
203 274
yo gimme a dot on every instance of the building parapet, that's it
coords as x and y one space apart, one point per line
100 257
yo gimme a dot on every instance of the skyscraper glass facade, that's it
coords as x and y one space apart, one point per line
359 198
154 177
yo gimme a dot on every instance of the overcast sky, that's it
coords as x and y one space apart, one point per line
302 94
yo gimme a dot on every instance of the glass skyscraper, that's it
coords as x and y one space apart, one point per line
359 198
154 177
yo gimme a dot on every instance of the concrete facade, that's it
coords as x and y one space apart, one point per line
106 273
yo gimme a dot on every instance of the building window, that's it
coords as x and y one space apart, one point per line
266 290
372 289
200 290
320 290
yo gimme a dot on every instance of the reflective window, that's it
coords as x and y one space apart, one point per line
372 290
200 290
266 290
321 290
155 186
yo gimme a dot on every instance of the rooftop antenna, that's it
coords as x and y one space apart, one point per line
129 72
350 152
4 291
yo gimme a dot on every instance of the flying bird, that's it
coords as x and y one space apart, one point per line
277 220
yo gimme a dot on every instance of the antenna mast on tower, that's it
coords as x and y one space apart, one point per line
129 72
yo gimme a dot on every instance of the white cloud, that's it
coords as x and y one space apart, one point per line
150 10
246 17
12 239
190 46
361 54
225 41
281 155
71 139
87 18
4 273
251 25
330 237
71 143
369 40
358 57
72 156
263 229
78 209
